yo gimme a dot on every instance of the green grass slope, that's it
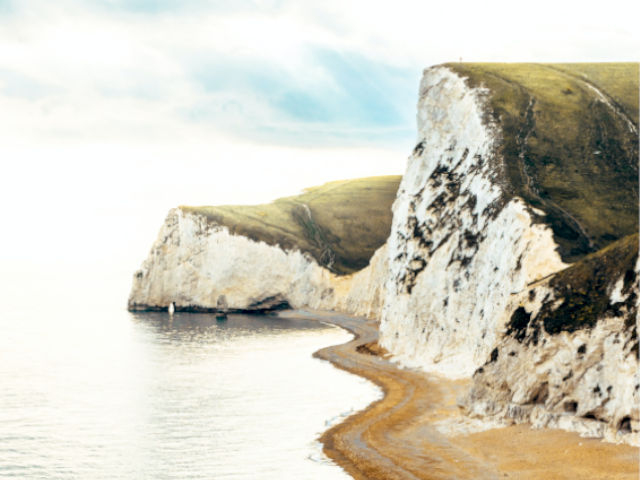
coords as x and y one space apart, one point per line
340 224
619 80
570 144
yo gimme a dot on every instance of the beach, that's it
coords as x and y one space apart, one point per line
416 431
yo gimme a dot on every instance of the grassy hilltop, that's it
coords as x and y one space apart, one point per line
340 224
567 151
570 144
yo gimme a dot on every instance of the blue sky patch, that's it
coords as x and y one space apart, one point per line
152 7
16 85
362 95
6 6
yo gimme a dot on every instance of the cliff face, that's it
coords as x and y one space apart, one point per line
569 355
195 263
495 202
509 257
314 250
459 247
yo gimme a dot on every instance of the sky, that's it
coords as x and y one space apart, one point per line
114 111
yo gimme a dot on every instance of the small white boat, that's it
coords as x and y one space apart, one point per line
172 308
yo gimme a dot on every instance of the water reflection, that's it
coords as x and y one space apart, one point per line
107 394
208 326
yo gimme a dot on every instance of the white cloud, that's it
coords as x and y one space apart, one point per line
94 65
104 115
409 32
90 202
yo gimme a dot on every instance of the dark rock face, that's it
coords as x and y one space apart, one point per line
276 302
582 294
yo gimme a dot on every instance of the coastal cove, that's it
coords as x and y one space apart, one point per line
103 393
280 240
417 430
510 260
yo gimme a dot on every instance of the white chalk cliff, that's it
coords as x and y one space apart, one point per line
193 263
550 373
458 249
465 260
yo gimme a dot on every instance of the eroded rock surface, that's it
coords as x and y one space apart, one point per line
194 263
475 229
460 246
569 355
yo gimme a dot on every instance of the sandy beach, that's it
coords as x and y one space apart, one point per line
416 430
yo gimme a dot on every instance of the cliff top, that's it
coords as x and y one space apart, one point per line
341 224
570 144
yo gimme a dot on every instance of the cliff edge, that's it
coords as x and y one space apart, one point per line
509 255
314 250
519 171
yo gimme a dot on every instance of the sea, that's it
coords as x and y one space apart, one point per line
89 390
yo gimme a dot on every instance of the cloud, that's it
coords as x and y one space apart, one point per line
16 85
281 72
258 78
349 93
114 111
173 7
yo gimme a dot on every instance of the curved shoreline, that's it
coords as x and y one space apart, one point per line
416 430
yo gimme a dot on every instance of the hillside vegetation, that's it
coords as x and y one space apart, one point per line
584 293
619 80
340 224
570 144
584 288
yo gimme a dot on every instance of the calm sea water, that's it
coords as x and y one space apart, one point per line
90 391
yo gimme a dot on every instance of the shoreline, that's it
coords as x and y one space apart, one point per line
416 431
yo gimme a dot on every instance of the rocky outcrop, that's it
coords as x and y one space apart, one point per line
569 355
459 245
195 262
479 220
501 263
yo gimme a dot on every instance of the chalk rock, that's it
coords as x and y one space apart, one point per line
569 355
195 262
459 247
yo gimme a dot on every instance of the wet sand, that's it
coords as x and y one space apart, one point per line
397 437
